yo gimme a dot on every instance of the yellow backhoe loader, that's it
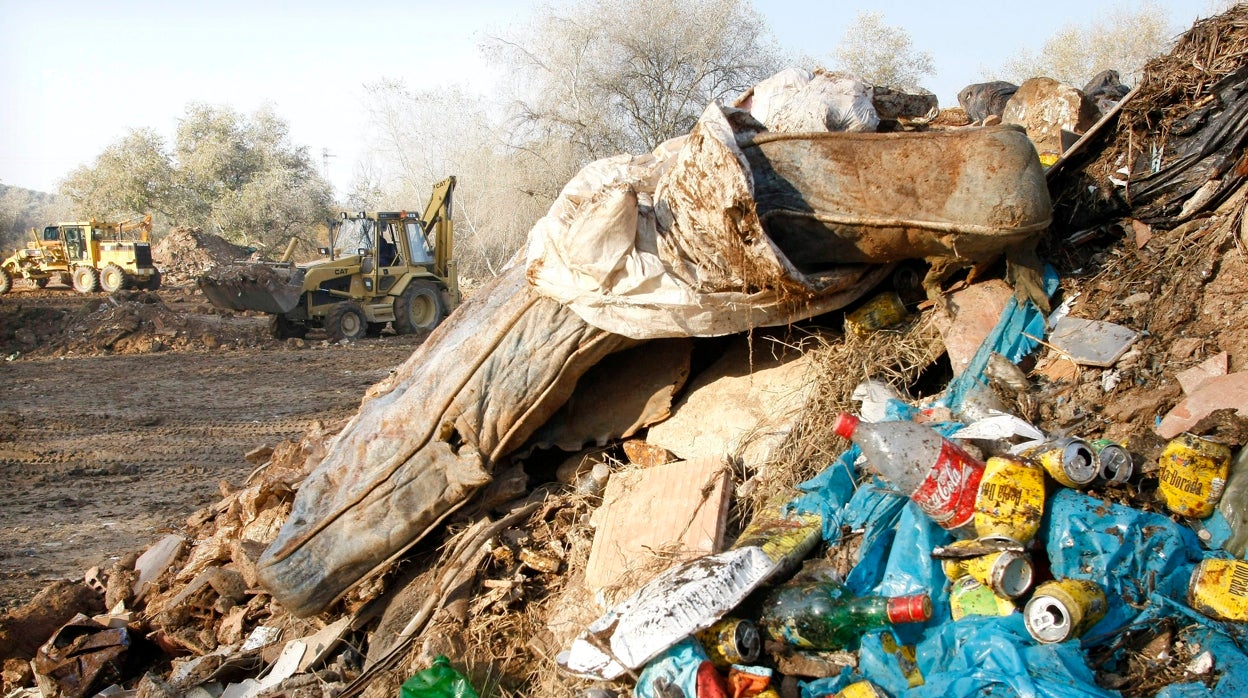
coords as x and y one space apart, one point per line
384 267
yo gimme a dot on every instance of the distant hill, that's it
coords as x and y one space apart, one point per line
23 209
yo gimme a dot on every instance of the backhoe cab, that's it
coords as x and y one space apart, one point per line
384 267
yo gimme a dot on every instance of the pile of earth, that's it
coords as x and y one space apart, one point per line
126 322
185 253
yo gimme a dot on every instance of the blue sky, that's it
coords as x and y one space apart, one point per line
77 74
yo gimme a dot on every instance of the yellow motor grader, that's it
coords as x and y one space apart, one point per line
384 267
89 255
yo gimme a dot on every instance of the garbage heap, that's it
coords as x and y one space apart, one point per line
737 428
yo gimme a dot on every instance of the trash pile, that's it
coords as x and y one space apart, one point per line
738 425
185 253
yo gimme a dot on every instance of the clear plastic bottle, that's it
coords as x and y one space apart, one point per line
827 616
936 473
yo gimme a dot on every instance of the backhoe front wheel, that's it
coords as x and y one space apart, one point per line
112 278
6 281
345 321
86 280
418 308
153 282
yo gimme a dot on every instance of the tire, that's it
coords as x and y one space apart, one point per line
283 327
345 321
6 281
112 278
85 280
419 308
153 282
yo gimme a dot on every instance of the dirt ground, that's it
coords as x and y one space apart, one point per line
106 445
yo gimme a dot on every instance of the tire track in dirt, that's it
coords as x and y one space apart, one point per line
101 454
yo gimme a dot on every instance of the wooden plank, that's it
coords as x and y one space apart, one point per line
652 518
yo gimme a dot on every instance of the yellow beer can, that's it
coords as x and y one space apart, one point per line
1063 609
970 598
731 641
1011 499
861 689
999 564
1219 589
1192 475
1070 461
881 312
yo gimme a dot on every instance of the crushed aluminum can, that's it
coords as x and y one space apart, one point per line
1064 609
1219 589
998 563
1068 460
1192 475
861 689
1113 462
731 641
1011 499
881 312
970 598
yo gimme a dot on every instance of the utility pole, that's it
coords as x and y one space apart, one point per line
325 156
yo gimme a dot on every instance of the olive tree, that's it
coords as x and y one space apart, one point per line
1122 38
23 209
235 175
882 54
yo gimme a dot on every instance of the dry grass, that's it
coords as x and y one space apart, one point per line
897 357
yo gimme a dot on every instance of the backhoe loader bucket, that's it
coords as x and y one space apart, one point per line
270 289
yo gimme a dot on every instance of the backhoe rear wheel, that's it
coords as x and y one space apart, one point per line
345 321
6 281
86 280
418 308
283 327
112 278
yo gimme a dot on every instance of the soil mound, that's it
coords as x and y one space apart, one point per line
186 253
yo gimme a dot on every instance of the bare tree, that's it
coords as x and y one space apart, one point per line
1123 38
421 137
613 77
882 54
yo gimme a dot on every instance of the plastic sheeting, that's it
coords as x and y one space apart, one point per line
1200 157
474 391
669 244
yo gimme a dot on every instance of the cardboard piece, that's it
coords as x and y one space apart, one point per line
1092 342
738 406
1214 394
1194 377
975 311
665 513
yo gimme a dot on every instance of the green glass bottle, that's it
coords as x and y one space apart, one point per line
827 616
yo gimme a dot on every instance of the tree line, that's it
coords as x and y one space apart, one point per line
590 79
